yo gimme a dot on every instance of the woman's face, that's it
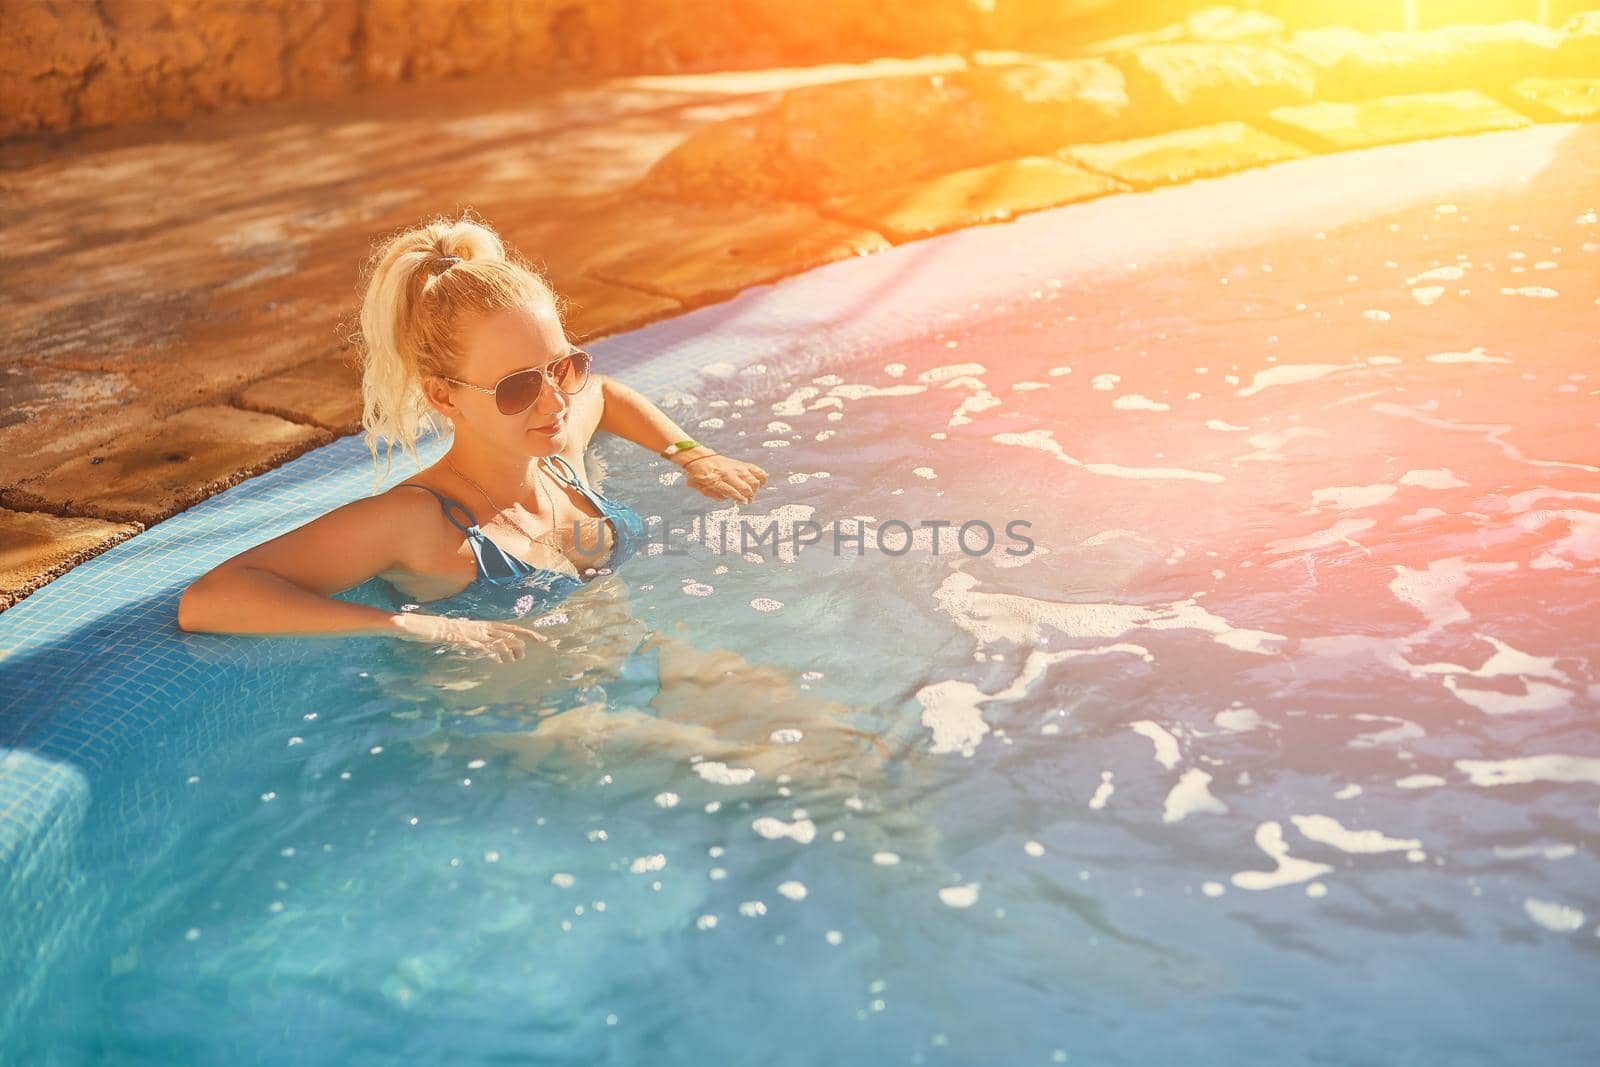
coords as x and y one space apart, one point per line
498 344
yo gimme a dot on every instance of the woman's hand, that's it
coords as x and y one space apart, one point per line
499 641
724 478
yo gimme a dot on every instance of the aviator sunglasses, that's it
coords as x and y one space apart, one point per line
517 391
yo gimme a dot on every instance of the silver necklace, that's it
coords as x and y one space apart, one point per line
538 483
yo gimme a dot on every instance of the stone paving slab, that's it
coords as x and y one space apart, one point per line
971 197
1559 99
1184 155
699 253
825 142
325 392
174 464
1354 66
36 548
1213 24
1392 119
1178 85
594 309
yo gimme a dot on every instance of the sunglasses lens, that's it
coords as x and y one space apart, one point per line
570 374
519 391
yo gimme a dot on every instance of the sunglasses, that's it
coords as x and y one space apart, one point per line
517 391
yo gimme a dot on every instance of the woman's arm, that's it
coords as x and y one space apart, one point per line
628 413
285 585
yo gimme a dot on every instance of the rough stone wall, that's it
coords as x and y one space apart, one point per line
72 64
75 64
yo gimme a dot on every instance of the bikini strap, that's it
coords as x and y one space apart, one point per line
450 506
566 474
495 564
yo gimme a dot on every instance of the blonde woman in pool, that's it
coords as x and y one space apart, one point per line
455 326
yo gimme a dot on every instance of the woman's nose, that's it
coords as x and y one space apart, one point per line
551 399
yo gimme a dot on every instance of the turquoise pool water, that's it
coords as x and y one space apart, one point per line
1280 746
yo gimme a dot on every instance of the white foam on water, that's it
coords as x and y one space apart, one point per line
1044 441
1553 915
1527 769
982 400
1475 355
1432 591
1419 781
1226 427
1549 852
1102 792
772 828
1167 752
1538 696
1427 295
1269 838
953 711
1239 719
861 392
718 773
1104 382
1348 497
1405 731
1268 446
1540 292
952 370
792 890
647 864
1492 433
1348 792
1291 374
1326 830
1438 274
1580 544
795 403
959 896
1137 402
993 617
1191 796
1431 479
1340 533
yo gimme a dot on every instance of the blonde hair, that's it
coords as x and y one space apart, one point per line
416 300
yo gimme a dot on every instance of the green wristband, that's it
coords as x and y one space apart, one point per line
679 446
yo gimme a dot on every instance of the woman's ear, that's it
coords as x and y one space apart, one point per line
437 392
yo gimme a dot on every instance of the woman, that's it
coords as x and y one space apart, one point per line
456 327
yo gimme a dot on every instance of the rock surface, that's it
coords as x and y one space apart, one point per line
35 548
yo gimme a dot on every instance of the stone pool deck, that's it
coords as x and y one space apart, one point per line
178 300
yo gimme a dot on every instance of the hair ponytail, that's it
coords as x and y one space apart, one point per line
421 285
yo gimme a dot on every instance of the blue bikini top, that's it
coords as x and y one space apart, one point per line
536 588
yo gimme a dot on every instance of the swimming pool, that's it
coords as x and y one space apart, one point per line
1280 745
